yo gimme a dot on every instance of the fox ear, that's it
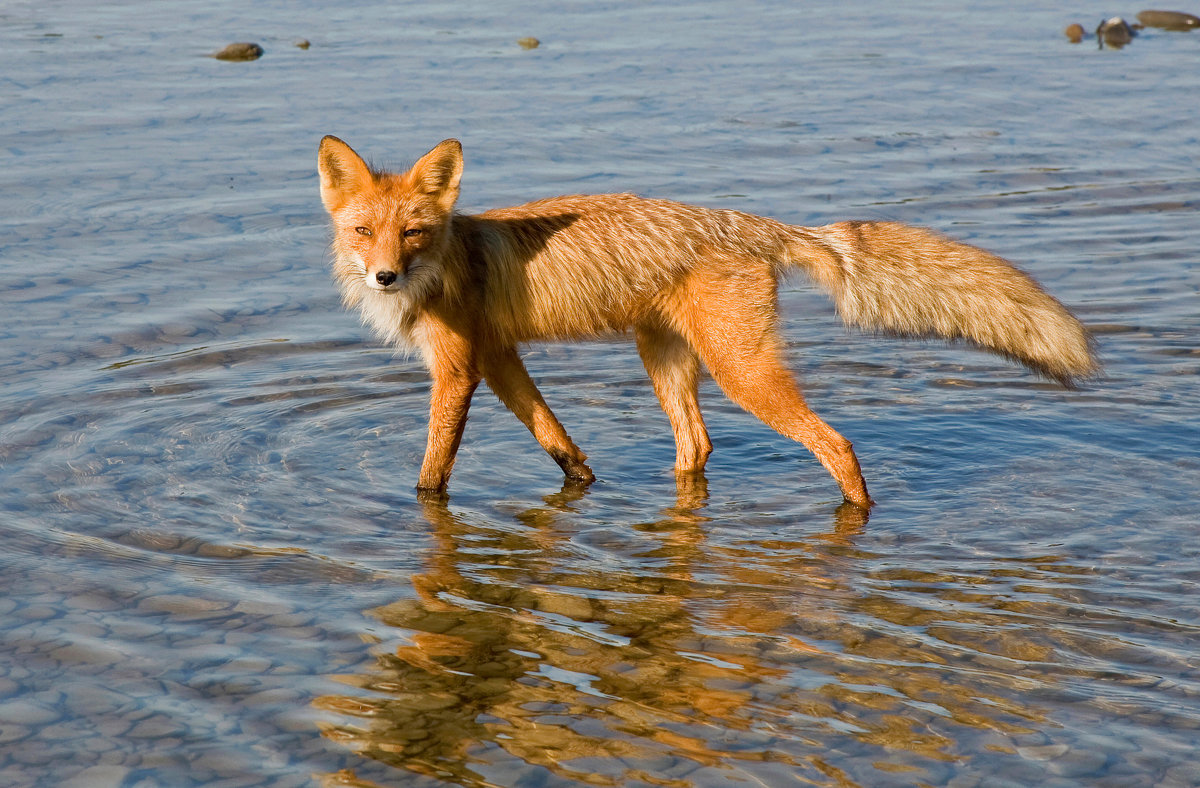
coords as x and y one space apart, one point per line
343 173
438 172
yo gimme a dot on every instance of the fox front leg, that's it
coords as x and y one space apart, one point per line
508 378
448 405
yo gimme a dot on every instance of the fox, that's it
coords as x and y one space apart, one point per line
694 285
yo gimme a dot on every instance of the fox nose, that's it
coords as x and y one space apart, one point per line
385 278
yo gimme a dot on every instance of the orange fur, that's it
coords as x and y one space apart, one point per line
693 284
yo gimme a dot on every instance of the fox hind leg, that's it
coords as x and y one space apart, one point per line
674 370
736 337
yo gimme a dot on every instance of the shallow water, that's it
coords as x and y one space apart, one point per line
215 570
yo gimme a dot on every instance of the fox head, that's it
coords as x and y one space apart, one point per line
390 232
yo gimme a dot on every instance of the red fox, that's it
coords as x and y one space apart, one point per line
694 285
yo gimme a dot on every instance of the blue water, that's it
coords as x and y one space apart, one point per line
215 570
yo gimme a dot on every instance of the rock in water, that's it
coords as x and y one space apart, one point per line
240 51
1169 20
1115 32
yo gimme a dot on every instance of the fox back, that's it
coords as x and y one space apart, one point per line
579 266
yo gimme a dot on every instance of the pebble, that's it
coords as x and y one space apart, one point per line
180 605
1042 752
1013 778
38 613
98 744
1169 20
287 620
45 754
154 540
14 672
1185 774
157 727
213 550
98 775
92 601
278 697
111 350
23 712
74 730
1124 781
247 664
1079 763
301 634
90 700
114 728
91 652
565 605
1108 743
242 50
260 607
176 332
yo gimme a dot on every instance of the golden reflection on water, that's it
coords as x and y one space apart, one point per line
688 662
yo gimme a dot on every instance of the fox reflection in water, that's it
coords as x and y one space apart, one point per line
686 662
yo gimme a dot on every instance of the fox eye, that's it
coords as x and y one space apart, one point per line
363 231
412 232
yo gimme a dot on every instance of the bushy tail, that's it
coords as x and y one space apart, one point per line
912 282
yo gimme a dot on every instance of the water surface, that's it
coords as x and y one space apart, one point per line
216 572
